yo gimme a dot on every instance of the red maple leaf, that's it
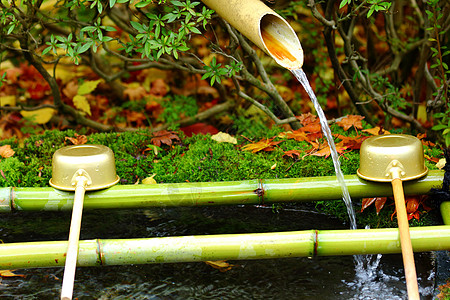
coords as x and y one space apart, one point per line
379 203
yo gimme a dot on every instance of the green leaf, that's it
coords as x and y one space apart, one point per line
439 127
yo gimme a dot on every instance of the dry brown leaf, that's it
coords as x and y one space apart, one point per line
164 137
6 151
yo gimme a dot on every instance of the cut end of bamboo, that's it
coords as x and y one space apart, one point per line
280 41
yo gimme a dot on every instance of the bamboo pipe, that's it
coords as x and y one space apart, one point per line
265 28
218 247
445 212
248 192
74 235
412 286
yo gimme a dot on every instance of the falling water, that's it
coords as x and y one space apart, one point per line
301 77
370 281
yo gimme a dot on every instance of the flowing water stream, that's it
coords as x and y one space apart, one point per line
369 280
301 77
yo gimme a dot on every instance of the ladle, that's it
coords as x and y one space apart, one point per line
80 168
394 158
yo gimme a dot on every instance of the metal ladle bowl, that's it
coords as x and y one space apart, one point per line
80 168
394 158
379 153
96 160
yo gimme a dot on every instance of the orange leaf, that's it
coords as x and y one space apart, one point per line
292 153
6 151
353 143
262 145
376 131
412 204
366 202
77 140
349 121
306 119
10 273
297 135
379 203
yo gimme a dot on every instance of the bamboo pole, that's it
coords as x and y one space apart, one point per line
265 28
250 192
445 212
227 246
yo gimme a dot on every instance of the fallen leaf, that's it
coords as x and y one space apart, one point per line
221 265
77 140
376 131
134 92
39 116
6 151
262 145
88 87
441 163
223 137
306 119
273 166
199 128
298 135
149 180
8 101
292 153
82 104
349 121
379 203
353 143
164 137
159 88
325 150
10 273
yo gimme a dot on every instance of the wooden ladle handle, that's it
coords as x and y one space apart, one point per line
405 241
74 236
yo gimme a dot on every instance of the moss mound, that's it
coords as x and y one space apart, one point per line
191 159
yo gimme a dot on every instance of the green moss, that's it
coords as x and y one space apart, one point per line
196 159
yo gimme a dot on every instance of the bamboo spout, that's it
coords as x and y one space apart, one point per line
265 28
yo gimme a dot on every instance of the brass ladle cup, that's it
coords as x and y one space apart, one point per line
80 168
394 158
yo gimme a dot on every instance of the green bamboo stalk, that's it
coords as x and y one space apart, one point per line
222 247
265 191
445 212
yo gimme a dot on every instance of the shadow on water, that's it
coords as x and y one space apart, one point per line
292 278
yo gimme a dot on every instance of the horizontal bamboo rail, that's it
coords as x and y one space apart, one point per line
219 247
263 191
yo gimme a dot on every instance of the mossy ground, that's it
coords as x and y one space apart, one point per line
192 159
